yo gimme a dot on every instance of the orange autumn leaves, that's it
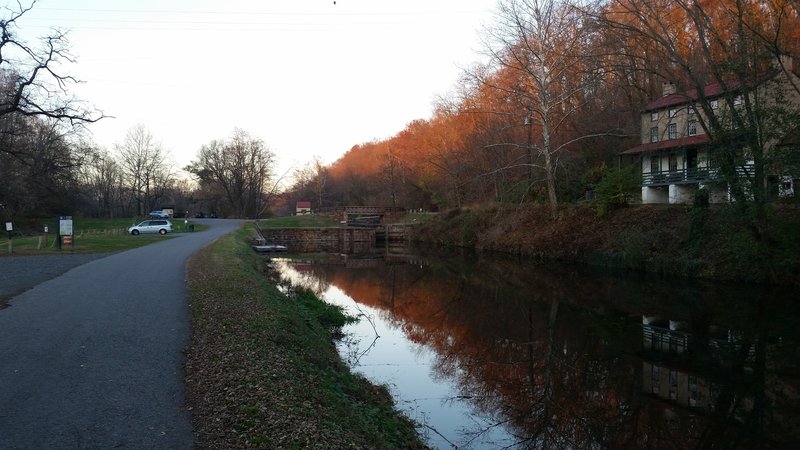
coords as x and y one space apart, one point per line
478 144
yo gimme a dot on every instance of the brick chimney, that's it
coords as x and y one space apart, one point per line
668 88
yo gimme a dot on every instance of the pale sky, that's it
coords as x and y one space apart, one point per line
306 76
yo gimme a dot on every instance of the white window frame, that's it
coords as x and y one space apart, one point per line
672 166
672 131
691 128
673 112
655 163
654 116
654 134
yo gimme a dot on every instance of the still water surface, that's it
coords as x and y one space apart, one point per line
490 352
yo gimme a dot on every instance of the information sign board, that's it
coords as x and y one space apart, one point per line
65 226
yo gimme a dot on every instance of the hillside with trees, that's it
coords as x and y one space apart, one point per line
541 119
40 147
50 166
558 97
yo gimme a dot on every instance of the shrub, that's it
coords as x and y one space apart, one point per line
617 188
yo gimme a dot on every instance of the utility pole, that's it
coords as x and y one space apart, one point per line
529 147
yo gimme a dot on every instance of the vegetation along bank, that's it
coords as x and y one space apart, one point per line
261 370
710 242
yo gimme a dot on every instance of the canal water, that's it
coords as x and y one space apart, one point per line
490 352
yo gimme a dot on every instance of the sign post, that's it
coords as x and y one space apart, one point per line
65 232
9 229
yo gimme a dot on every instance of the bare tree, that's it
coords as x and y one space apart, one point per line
243 168
103 185
30 81
38 115
41 174
538 52
732 47
320 180
145 168
311 180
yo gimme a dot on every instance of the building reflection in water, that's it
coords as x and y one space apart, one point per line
561 358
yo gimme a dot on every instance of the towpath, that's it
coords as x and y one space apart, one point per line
93 358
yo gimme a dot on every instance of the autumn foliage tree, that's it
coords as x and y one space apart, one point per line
559 96
736 46
543 69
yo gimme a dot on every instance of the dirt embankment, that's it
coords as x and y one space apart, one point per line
714 243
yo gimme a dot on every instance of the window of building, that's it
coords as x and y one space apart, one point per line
673 112
694 398
655 164
673 162
673 341
654 116
654 134
692 111
691 129
738 100
714 104
672 131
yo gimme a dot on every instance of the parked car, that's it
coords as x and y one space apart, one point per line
158 215
199 215
151 226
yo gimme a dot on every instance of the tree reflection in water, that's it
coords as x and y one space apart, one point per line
564 358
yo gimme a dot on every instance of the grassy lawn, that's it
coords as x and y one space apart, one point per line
91 236
302 221
261 370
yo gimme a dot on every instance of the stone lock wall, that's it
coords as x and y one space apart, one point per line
333 240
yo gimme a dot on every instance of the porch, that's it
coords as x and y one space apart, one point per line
679 176
691 175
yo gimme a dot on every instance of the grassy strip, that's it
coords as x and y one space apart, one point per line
301 221
319 221
261 370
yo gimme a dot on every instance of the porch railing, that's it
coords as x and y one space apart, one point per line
692 175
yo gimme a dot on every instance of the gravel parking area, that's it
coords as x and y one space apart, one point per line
20 273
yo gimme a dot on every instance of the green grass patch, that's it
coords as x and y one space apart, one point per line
327 315
417 217
90 236
301 221
261 370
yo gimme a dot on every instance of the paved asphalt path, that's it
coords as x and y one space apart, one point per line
93 358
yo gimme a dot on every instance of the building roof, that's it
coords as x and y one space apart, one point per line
667 144
710 91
